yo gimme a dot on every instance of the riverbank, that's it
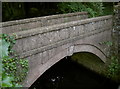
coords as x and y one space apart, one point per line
95 64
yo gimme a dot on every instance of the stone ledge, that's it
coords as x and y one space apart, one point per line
40 30
23 21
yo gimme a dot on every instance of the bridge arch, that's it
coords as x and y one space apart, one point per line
69 51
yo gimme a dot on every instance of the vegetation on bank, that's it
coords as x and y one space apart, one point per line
113 69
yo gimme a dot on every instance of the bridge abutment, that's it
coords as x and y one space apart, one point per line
116 33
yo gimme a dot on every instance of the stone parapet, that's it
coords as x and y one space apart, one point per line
42 38
26 24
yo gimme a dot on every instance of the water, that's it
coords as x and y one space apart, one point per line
67 74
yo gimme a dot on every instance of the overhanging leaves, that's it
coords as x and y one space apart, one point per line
4 48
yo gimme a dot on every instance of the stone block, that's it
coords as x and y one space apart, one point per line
72 32
40 40
52 36
62 34
30 43
55 36
34 61
86 28
44 39
80 29
76 31
18 47
70 50
45 57
52 52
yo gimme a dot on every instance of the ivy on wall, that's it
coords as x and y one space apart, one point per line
13 70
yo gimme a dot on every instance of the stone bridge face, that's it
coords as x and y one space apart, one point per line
47 40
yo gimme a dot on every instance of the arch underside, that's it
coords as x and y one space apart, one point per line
92 49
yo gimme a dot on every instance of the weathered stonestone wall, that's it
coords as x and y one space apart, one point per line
117 27
25 24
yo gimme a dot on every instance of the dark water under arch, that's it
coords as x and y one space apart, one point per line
67 74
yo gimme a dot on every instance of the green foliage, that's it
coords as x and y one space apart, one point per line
13 10
20 10
113 68
0 72
12 64
108 43
4 48
7 40
93 8
11 76
7 81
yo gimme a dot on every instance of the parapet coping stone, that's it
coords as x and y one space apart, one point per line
29 20
57 27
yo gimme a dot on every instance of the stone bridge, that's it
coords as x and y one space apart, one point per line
46 40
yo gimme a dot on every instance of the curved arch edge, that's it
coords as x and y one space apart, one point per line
39 70
90 48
